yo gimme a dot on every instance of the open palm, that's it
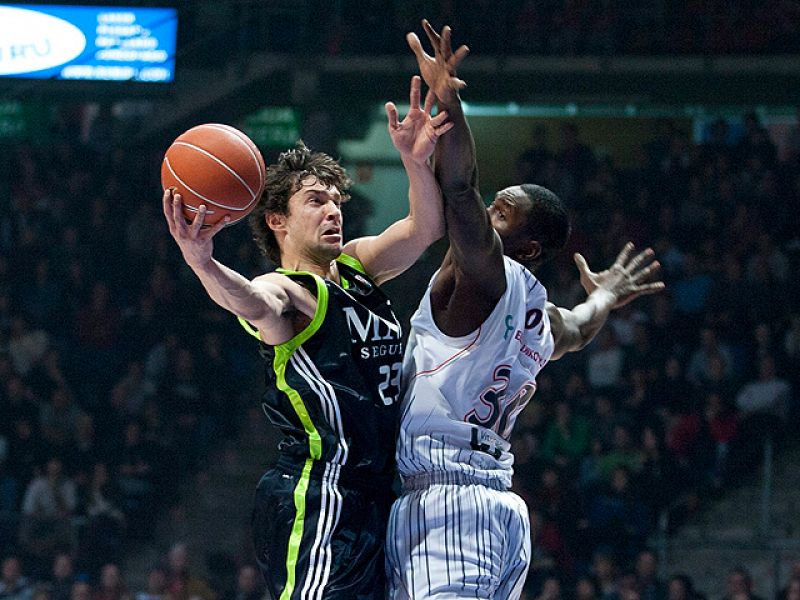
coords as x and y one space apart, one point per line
415 136
627 278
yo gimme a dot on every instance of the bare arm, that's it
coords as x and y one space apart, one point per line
388 254
265 302
623 282
475 248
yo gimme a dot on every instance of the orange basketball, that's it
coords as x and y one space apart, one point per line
216 165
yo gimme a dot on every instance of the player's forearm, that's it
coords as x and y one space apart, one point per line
237 294
456 165
590 316
425 205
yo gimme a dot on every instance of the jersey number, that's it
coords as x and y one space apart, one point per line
501 412
391 379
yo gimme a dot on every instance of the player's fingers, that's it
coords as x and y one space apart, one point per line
650 288
441 130
416 46
432 36
446 44
439 119
414 93
430 100
166 202
640 258
648 271
177 214
391 115
216 227
460 83
581 263
458 56
623 255
199 219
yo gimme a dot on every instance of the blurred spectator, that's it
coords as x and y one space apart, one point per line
791 591
47 510
111 586
567 438
156 585
711 355
531 163
739 585
604 570
249 584
182 584
26 345
606 359
135 468
103 533
586 589
13 584
649 584
58 420
551 589
723 425
623 454
617 516
81 590
62 576
681 587
769 395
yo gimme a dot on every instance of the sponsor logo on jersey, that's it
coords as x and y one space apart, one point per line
373 334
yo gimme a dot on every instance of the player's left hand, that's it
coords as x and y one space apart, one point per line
415 136
439 70
626 279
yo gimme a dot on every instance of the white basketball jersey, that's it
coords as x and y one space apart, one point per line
462 395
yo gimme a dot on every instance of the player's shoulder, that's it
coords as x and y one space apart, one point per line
521 280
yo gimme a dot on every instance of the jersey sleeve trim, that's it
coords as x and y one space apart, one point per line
248 327
351 262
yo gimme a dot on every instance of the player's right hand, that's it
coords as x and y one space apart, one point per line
196 243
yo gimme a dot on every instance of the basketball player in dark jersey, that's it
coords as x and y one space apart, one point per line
332 348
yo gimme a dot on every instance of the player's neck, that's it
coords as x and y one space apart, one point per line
324 268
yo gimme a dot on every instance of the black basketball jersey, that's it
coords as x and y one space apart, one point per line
333 389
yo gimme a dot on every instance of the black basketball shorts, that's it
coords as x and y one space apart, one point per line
316 538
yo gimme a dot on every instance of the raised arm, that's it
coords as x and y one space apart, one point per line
388 254
475 247
618 285
266 302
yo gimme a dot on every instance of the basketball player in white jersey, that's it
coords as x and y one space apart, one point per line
483 331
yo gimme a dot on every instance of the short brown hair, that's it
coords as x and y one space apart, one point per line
283 180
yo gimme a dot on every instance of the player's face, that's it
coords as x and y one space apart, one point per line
314 223
508 214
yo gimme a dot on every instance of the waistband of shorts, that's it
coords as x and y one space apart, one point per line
420 481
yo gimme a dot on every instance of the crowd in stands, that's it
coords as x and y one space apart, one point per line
112 389
172 578
516 27
119 376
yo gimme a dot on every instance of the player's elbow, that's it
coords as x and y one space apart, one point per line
262 305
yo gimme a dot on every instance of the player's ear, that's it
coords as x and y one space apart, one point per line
529 252
275 221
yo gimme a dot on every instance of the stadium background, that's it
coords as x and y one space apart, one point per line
667 444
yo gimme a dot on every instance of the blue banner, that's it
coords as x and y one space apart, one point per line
88 42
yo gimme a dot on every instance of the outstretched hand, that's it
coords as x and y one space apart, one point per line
415 136
439 70
626 279
195 242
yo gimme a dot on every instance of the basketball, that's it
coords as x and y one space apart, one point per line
216 165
